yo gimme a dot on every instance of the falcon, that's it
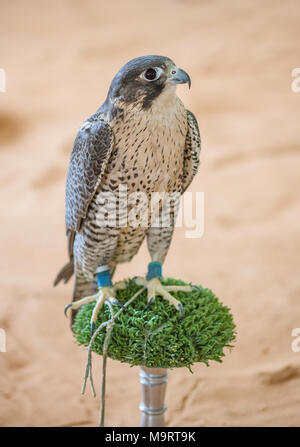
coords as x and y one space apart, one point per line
143 138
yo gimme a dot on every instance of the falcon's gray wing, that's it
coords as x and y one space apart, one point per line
90 154
191 151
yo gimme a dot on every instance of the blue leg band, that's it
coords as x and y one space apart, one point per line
154 270
103 277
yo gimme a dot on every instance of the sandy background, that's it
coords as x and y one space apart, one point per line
60 57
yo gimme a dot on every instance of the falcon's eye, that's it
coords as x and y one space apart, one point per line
151 74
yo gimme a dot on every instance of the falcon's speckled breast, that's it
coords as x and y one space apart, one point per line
147 157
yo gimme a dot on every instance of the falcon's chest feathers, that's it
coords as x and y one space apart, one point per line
149 145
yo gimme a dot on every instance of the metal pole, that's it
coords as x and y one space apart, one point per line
154 383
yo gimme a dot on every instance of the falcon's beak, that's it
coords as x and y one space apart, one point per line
179 77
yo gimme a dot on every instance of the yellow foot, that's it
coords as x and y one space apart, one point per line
155 288
103 294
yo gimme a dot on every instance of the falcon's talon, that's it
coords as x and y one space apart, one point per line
150 301
66 308
103 294
118 303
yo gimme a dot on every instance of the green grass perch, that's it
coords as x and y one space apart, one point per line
155 336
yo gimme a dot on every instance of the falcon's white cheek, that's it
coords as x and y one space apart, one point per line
166 99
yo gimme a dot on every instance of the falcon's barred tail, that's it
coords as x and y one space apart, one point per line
65 273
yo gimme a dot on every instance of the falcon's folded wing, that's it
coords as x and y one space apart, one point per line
89 157
90 154
191 151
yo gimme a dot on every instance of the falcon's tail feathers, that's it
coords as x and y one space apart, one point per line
65 273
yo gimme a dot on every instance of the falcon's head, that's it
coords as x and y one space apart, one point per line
142 80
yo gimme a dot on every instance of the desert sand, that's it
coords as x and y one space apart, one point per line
59 58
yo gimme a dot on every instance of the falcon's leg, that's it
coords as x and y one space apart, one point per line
93 250
154 287
106 292
158 241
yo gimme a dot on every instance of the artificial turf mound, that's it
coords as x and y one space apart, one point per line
155 336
